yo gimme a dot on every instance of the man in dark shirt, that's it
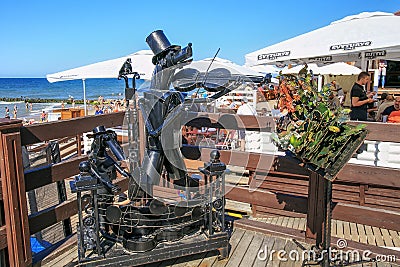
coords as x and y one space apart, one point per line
359 98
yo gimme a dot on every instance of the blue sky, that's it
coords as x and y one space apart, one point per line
41 37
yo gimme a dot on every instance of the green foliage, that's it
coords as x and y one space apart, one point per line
314 133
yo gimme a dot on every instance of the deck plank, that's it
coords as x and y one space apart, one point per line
361 233
339 229
378 236
290 222
273 260
302 224
296 223
354 232
254 248
370 235
280 220
234 241
66 258
290 246
333 228
386 238
395 237
246 244
346 230
274 220
285 221
266 246
241 249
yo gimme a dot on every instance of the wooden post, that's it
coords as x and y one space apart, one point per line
14 196
79 144
316 207
362 194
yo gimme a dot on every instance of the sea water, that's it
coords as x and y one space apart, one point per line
40 88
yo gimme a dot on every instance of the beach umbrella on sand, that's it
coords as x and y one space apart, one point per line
141 63
368 35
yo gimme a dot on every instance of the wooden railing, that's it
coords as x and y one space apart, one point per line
362 194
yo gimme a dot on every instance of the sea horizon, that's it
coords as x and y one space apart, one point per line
39 88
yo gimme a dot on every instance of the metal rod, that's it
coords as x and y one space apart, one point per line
81 251
96 214
327 224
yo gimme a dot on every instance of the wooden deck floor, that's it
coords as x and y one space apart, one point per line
245 246
350 231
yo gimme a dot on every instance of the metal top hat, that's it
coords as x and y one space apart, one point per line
159 44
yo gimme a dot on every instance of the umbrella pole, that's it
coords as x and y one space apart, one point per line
84 95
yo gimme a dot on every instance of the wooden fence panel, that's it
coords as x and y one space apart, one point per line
14 197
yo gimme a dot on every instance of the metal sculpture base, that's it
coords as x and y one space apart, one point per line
189 245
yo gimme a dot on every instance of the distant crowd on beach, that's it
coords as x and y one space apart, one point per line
103 107
7 114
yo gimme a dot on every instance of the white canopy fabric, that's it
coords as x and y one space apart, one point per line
339 68
296 69
367 35
265 69
235 69
141 63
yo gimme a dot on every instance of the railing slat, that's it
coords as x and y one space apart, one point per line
366 215
52 173
53 130
267 199
385 132
350 173
372 175
52 215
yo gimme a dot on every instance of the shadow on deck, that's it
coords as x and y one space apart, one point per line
253 243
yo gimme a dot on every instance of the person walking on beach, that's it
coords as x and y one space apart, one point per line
7 113
359 98
43 116
30 106
15 110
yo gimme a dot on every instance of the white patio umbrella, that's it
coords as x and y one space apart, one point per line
339 68
296 69
265 69
235 69
367 35
141 63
